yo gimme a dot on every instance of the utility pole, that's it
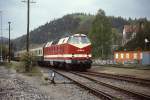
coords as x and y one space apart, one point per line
28 22
102 51
9 42
1 56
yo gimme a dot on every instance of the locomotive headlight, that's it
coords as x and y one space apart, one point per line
88 55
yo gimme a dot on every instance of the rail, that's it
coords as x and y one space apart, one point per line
94 91
137 94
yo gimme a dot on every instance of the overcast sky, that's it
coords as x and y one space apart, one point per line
46 10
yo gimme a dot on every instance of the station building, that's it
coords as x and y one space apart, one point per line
132 57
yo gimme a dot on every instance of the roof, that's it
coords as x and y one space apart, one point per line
48 44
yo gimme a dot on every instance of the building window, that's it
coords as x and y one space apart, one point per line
135 56
122 55
116 55
39 52
127 55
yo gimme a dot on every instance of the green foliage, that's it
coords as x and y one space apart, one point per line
116 37
100 35
118 22
4 51
35 71
20 67
28 61
85 23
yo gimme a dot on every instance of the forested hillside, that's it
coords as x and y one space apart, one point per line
4 40
68 24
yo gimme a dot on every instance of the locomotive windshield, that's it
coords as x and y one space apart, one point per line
78 40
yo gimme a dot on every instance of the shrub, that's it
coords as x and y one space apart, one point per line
28 61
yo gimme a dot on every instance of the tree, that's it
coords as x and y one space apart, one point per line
139 40
28 60
116 37
100 35
4 51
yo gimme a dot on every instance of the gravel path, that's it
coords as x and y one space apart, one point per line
14 86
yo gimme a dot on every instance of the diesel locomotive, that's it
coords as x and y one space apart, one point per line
71 52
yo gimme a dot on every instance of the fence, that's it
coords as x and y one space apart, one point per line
102 62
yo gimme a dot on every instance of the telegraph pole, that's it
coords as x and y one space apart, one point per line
28 22
9 42
1 56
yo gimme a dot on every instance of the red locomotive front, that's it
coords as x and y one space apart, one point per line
70 52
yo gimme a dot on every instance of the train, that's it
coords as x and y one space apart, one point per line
71 52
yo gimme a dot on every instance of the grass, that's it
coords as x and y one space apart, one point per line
130 66
35 71
19 67
6 64
139 72
1 63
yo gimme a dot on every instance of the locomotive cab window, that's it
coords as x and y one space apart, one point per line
84 39
78 40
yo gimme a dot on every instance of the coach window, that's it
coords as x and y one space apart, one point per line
38 52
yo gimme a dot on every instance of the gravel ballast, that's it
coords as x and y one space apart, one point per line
16 86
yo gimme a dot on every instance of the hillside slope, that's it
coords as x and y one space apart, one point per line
68 24
4 40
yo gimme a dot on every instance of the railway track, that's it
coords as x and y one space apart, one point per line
131 79
140 96
94 91
106 91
